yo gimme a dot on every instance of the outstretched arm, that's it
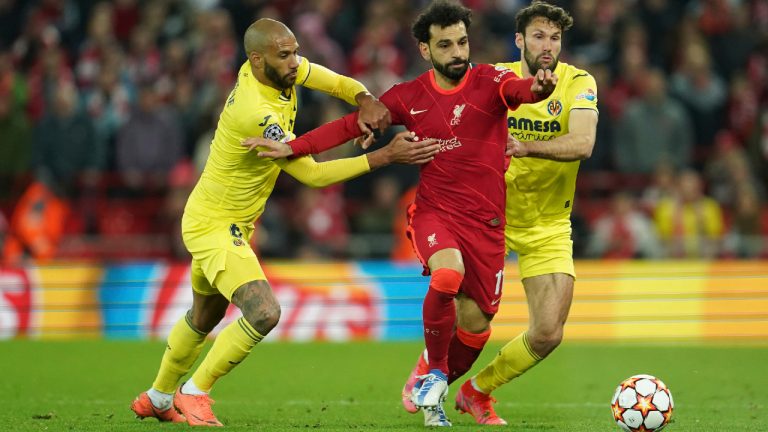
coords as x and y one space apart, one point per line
577 144
404 148
516 91
316 141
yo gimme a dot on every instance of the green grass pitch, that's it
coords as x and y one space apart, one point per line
88 385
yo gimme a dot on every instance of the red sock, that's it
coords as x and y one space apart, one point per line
464 349
439 313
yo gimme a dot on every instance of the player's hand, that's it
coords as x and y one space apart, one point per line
373 115
544 82
364 141
274 149
407 148
515 148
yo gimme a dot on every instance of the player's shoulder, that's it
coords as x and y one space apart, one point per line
571 74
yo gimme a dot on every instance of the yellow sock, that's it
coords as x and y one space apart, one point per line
231 346
184 346
513 360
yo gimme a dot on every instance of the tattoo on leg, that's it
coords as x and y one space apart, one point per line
258 305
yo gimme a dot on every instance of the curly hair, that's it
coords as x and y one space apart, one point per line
539 8
442 13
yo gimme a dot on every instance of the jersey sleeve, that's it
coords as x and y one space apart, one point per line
320 174
582 92
327 136
321 78
392 101
515 91
265 123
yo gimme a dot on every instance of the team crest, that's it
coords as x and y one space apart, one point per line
432 239
554 108
457 110
274 132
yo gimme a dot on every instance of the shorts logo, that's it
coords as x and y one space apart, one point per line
457 110
554 108
274 132
495 302
235 232
432 239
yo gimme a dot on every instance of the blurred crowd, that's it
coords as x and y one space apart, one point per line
107 110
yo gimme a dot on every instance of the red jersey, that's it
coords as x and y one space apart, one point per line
465 181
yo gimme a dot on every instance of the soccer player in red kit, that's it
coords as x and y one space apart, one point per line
456 223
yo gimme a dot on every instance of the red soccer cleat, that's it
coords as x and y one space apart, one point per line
421 368
196 408
480 405
143 408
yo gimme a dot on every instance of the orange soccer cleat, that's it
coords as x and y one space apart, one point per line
421 368
196 408
143 408
480 405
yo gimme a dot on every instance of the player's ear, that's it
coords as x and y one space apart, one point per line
424 50
256 59
519 40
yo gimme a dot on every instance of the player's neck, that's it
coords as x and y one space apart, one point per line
525 70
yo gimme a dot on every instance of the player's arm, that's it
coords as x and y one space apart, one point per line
316 141
515 90
577 144
373 114
404 148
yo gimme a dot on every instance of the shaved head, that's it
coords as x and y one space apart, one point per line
263 33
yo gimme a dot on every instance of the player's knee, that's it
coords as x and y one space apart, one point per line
204 320
264 318
545 340
258 305
446 280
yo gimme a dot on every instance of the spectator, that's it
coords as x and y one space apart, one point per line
149 145
624 232
744 240
653 130
690 225
373 223
15 142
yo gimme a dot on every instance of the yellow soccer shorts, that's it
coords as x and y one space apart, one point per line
543 248
222 258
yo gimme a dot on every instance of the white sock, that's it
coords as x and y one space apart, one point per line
160 400
190 388
474 385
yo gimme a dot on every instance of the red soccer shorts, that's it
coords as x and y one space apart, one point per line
482 250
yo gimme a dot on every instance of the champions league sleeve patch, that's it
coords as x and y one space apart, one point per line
274 132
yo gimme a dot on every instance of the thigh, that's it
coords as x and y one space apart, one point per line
429 234
549 299
222 259
483 254
542 249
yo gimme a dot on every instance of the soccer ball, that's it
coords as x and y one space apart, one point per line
642 403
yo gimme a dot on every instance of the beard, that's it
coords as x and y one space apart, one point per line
283 82
534 64
448 72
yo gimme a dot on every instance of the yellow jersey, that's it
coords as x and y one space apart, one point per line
542 190
236 183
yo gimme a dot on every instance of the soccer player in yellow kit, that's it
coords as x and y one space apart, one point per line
548 140
230 196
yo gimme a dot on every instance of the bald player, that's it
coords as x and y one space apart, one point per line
230 195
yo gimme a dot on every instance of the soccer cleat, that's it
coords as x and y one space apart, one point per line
143 408
480 405
421 368
196 408
435 416
430 389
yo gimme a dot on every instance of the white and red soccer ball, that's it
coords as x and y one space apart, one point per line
642 403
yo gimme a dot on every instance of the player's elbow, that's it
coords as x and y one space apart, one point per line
586 145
